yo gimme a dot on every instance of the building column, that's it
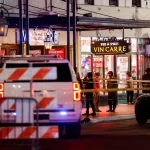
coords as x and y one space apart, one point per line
78 52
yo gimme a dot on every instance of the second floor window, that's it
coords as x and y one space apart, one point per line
136 3
113 2
89 2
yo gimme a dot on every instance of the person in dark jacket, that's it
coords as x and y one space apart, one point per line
146 76
112 96
79 80
89 84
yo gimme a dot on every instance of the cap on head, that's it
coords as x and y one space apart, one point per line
89 74
97 74
111 73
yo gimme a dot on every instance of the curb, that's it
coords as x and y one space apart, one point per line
112 118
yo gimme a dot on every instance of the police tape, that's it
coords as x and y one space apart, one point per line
113 90
142 81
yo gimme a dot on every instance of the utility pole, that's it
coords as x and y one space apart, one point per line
74 34
68 30
27 27
20 26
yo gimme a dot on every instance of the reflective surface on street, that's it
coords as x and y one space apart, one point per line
115 135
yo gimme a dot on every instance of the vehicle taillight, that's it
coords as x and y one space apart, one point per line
76 92
1 90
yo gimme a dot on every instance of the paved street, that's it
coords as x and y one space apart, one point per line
115 135
122 127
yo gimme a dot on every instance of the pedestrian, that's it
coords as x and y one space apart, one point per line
89 83
97 93
146 76
129 84
112 95
79 80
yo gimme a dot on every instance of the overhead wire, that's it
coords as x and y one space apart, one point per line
12 7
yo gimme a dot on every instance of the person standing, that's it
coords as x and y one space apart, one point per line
129 84
112 95
79 80
146 76
89 83
97 93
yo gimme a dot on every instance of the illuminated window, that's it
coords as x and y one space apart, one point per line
85 64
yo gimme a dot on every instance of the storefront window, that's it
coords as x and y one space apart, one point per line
134 66
141 43
85 44
85 64
134 70
122 68
141 68
98 67
109 64
98 64
133 44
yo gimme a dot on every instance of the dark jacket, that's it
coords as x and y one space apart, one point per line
89 84
144 84
112 84
80 83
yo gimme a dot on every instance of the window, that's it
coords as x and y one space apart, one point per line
113 2
58 73
136 3
89 2
63 71
17 65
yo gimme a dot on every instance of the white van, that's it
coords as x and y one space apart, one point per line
54 86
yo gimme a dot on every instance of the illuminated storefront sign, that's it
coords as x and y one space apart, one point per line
60 52
110 47
37 36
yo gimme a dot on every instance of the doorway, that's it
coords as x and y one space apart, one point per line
122 66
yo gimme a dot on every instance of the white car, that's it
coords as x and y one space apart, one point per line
55 87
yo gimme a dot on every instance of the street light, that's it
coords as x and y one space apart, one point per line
48 40
3 24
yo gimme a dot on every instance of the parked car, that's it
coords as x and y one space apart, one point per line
142 108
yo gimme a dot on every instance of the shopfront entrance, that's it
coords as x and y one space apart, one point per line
133 61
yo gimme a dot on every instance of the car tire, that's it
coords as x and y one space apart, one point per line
141 118
73 130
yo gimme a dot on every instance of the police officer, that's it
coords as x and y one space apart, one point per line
112 96
89 83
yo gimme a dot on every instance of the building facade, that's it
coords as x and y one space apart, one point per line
135 61
124 9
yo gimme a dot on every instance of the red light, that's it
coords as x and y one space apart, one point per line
76 86
76 92
1 94
76 95
1 87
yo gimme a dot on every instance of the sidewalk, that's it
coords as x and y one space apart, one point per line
123 111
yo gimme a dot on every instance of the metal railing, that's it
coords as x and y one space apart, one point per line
18 124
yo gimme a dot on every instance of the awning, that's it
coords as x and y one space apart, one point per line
83 23
111 23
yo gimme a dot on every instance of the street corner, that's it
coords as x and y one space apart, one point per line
106 119
112 118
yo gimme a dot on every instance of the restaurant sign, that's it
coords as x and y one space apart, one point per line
110 47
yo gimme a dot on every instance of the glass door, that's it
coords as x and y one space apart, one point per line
122 68
85 64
